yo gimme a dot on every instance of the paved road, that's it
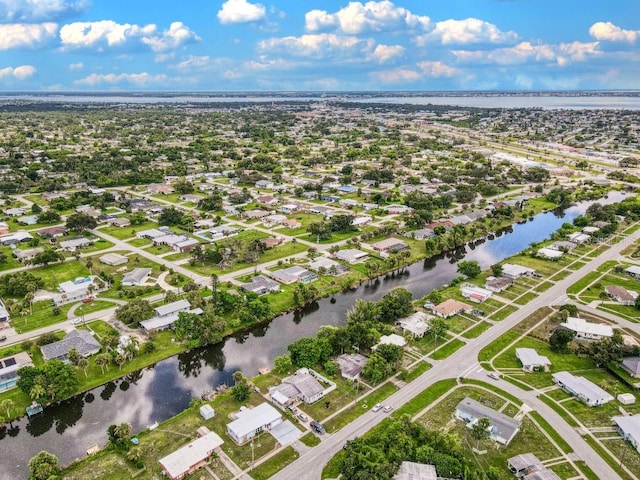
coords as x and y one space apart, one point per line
309 466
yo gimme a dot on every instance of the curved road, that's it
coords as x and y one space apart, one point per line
309 466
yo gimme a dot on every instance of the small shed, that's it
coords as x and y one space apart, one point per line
207 412
626 399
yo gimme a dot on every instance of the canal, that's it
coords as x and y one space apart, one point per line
164 389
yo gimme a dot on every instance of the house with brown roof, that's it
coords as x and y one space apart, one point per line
451 307
621 294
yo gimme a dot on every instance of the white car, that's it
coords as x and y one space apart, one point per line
376 407
387 409
76 321
494 375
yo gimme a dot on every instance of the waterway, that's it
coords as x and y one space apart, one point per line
165 389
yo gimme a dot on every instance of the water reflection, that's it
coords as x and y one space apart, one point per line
160 391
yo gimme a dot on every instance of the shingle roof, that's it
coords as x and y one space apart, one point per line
81 340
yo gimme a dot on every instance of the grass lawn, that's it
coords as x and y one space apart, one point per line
335 401
503 313
448 349
425 398
560 362
416 371
57 273
274 464
495 347
526 298
310 440
477 330
10 262
122 233
560 275
41 317
361 407
95 306
140 242
457 324
543 287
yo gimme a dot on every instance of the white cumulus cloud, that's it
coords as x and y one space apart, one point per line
359 17
136 79
76 66
101 33
397 75
525 52
467 31
437 69
607 31
241 11
26 35
21 73
384 53
194 62
176 35
324 45
38 10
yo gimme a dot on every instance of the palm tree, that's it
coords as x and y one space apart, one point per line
102 361
83 363
123 430
120 360
215 283
7 405
37 392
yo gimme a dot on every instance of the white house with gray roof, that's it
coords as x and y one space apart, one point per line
304 385
581 388
166 315
532 360
503 428
629 428
136 277
251 421
80 340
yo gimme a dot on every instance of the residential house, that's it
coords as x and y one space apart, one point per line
261 285
16 237
291 223
327 266
185 245
9 367
302 386
498 284
397 209
585 330
352 255
80 340
290 208
503 428
169 239
190 457
527 466
166 315
293 274
135 277
581 388
632 366
512 271
390 245
417 324
451 307
633 271
420 234
549 253
26 255
348 202
190 198
27 219
76 243
264 184
269 200
347 189
578 237
351 365
113 259
629 428
563 246
621 295
273 219
159 189
251 421
361 220
4 315
255 214
392 339
78 289
14 212
271 242
532 360
119 222
52 232
475 293
416 471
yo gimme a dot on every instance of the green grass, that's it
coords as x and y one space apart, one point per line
416 371
122 233
543 287
274 464
526 298
476 331
564 446
494 388
495 347
361 407
310 440
559 361
425 398
503 313
95 306
448 349
42 316
613 462
60 272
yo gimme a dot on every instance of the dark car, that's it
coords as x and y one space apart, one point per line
3 338
319 429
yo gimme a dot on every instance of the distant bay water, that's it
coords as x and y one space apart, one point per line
547 101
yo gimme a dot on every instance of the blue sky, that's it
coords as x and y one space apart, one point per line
301 45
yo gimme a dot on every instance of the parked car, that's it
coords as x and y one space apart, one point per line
319 429
494 375
76 321
376 407
303 417
3 338
88 299
387 409
292 409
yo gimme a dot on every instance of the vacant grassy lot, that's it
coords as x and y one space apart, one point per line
448 349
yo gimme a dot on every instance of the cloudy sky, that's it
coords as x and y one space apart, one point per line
207 45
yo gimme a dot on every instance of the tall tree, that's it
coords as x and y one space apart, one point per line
43 466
